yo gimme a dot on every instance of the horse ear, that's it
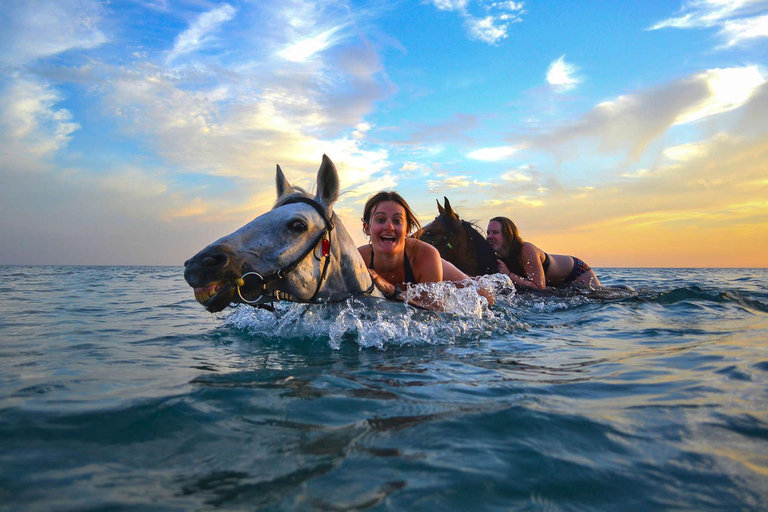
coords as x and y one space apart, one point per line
448 208
440 208
281 182
327 182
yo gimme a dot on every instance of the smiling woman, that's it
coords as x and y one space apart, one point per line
394 258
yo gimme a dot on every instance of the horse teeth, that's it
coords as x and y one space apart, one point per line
204 293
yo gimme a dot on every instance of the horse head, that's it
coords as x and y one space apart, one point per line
298 251
459 242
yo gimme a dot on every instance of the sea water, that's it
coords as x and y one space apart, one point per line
119 392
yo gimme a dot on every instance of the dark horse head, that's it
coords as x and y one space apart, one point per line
459 242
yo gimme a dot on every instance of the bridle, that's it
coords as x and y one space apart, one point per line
323 239
447 237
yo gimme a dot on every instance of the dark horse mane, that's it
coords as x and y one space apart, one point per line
470 252
486 257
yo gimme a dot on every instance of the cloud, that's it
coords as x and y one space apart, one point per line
686 152
728 89
693 193
450 5
489 28
493 154
304 49
516 177
560 75
739 21
32 128
36 29
210 134
414 167
450 182
631 122
199 32
198 131
738 31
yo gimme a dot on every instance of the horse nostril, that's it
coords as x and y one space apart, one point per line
218 259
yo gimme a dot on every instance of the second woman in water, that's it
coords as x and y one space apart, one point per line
530 267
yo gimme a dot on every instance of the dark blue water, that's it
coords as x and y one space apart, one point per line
119 392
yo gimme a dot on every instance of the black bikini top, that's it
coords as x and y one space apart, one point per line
409 277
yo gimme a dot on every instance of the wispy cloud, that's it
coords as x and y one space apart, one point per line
561 75
305 48
444 182
631 122
738 31
738 20
492 25
728 89
686 152
42 28
31 126
200 31
516 177
493 154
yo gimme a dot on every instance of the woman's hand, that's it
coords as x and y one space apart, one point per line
503 267
387 288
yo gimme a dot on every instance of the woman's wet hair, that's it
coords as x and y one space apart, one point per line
412 225
511 245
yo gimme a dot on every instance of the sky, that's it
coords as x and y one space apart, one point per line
629 134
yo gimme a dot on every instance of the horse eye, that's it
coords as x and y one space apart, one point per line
297 226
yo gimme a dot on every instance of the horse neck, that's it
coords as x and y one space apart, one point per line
483 256
347 272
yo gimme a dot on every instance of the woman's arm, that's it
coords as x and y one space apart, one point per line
451 273
534 272
426 262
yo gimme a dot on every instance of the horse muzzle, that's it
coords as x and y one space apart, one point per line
214 275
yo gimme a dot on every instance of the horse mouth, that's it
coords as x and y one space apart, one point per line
214 296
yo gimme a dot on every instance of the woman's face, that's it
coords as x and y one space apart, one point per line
387 227
493 235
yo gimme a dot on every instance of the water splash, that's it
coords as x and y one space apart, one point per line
370 322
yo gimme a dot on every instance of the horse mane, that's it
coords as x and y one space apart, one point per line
485 255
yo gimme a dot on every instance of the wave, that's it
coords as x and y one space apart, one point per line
697 294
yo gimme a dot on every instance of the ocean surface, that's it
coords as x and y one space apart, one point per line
119 392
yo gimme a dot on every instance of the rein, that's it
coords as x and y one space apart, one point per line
323 239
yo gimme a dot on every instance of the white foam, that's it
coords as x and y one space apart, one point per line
378 323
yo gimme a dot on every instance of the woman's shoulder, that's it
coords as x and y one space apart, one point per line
530 248
425 261
417 249
364 250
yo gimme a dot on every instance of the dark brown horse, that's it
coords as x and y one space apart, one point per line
460 242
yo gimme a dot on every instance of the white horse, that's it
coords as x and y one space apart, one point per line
299 251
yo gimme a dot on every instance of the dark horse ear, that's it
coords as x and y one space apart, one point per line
440 208
448 208
281 182
327 183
